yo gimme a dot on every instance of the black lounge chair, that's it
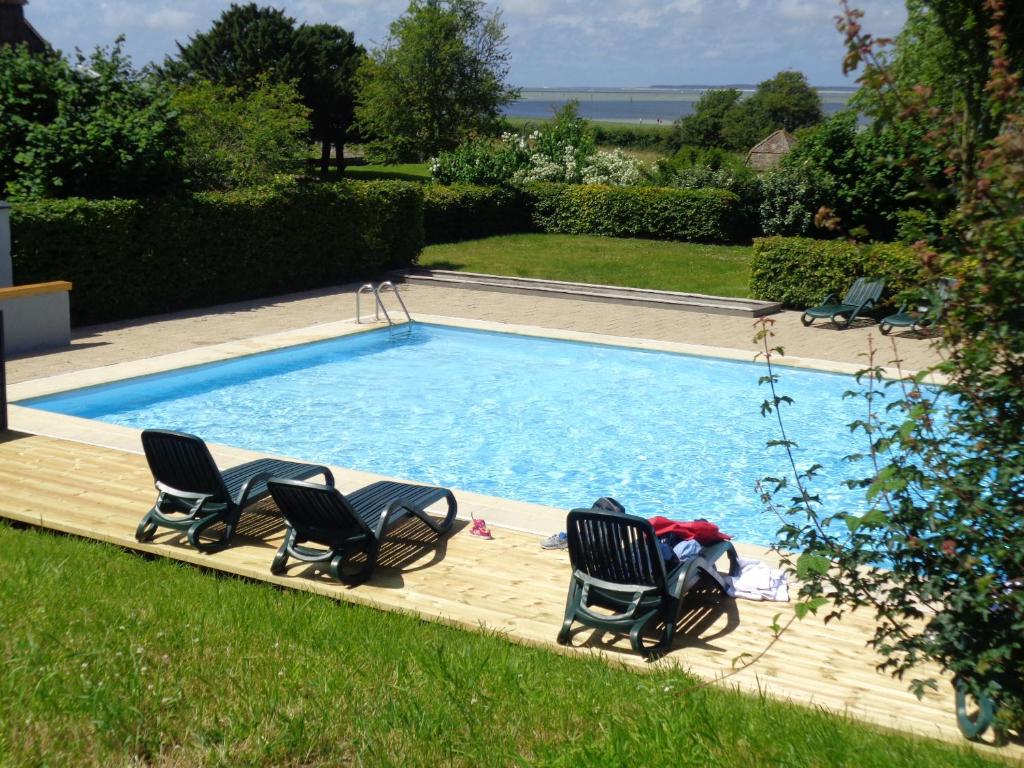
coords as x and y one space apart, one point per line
349 524
195 494
617 565
918 315
863 294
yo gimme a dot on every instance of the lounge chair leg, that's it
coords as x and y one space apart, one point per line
208 547
973 729
280 559
147 528
806 319
886 329
572 604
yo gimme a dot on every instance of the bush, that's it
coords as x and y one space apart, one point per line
466 212
128 258
800 271
235 139
629 136
697 168
483 161
697 215
790 198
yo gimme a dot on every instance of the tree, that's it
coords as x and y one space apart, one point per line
704 127
98 129
250 44
327 85
938 551
237 139
439 79
785 101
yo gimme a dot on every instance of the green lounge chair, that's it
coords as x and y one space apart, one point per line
863 294
194 494
919 314
617 566
349 524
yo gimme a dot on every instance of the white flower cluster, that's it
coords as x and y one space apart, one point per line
615 168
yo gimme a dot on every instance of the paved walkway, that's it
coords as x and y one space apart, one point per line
131 340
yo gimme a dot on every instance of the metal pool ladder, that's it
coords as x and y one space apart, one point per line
379 307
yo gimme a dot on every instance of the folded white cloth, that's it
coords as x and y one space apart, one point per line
758 581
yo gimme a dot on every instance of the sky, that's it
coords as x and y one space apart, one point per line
620 43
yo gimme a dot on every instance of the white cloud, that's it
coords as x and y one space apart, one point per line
170 19
586 42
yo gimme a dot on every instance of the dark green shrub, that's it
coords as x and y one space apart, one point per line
466 212
128 258
630 136
697 215
800 272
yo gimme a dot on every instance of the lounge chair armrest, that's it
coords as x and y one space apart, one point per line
830 299
243 493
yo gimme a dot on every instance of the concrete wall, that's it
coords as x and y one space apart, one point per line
40 321
35 317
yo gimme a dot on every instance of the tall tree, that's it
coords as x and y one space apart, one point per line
439 78
327 85
250 44
704 127
784 101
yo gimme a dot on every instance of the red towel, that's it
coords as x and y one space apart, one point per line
701 530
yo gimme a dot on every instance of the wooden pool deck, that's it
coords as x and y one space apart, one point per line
101 493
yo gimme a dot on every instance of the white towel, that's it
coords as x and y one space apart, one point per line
758 581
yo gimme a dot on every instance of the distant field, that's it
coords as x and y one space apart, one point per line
718 270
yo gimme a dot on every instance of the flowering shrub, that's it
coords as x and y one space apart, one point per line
614 168
562 152
483 161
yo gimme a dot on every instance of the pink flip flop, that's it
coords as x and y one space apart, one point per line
480 529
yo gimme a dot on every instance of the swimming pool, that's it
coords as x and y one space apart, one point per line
534 419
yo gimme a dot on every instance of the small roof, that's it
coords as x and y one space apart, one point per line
15 28
771 148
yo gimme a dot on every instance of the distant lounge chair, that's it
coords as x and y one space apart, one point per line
863 294
349 524
195 494
617 565
919 314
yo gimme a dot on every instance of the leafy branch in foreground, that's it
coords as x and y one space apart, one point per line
937 552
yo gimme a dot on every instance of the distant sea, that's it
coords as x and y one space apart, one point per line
652 105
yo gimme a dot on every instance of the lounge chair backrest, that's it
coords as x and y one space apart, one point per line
864 290
183 462
309 506
616 548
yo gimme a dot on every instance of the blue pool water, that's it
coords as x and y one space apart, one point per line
539 420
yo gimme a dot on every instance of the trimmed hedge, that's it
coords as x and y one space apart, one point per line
128 258
800 272
467 212
695 215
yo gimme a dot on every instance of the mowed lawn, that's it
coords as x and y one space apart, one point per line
112 659
402 172
718 270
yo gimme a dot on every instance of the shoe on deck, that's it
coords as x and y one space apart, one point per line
556 541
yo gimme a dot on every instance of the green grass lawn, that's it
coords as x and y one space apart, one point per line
113 659
719 270
402 172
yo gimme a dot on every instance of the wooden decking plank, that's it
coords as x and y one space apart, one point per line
101 494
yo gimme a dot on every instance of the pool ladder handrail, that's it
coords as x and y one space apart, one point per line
379 303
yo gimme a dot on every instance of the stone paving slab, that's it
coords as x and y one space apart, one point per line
112 343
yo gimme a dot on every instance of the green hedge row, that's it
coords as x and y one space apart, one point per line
128 258
467 212
800 272
695 215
